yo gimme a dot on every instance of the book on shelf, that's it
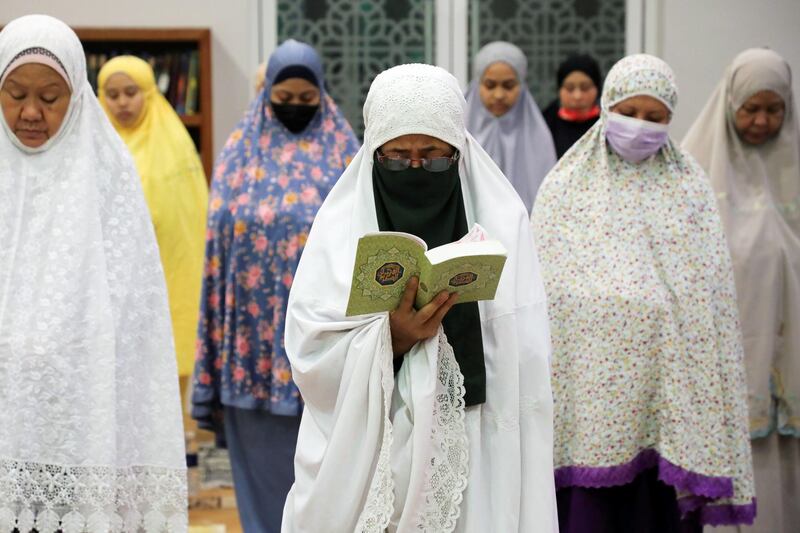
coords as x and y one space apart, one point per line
161 71
92 69
176 73
181 86
386 260
193 83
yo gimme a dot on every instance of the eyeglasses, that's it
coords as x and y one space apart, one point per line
434 164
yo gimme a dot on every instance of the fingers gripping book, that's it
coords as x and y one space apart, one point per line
386 260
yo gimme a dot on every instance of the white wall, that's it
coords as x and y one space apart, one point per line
234 49
699 38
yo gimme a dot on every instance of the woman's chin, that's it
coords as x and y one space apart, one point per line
32 139
498 111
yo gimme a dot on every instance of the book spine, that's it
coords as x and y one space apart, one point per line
183 84
91 70
158 72
101 60
192 86
174 74
425 289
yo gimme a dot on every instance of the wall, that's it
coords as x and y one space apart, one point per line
699 38
234 49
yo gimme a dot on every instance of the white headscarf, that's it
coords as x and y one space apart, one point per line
519 141
647 355
758 190
378 451
92 435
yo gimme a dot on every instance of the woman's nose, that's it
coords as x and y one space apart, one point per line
31 111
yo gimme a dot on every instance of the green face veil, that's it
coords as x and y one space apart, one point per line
430 205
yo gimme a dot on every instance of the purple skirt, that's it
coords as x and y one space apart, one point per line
645 505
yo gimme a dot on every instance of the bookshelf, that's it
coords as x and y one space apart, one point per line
165 47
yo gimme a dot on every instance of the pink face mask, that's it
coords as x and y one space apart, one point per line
633 139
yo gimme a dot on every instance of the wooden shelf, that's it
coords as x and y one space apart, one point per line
151 40
186 35
192 120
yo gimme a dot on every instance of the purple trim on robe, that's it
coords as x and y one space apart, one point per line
711 514
609 476
702 489
689 504
725 515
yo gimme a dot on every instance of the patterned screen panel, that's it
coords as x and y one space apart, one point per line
358 39
548 31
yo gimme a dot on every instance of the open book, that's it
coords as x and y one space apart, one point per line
386 260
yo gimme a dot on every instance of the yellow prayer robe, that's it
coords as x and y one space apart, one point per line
176 191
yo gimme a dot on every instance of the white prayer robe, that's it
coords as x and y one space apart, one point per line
378 452
91 435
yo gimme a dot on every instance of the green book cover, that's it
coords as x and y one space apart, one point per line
386 260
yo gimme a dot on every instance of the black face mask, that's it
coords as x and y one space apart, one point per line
295 117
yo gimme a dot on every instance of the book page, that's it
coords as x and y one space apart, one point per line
420 242
464 249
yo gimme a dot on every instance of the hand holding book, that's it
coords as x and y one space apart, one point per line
410 326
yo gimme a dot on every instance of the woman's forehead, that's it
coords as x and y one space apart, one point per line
35 75
765 97
295 85
120 80
577 76
645 102
500 70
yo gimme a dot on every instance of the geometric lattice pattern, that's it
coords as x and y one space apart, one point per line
358 39
550 30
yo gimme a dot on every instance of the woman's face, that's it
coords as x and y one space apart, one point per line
416 147
295 91
578 92
499 88
760 118
35 100
644 108
124 99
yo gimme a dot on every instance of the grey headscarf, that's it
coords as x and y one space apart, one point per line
519 141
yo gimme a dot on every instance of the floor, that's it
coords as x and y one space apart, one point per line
206 519
210 510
